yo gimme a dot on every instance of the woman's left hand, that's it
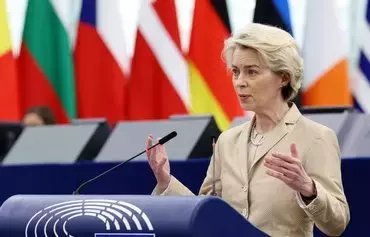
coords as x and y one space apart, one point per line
289 169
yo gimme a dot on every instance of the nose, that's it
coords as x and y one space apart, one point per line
240 82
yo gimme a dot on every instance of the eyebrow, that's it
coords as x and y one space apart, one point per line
248 66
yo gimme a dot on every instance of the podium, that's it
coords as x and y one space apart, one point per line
121 215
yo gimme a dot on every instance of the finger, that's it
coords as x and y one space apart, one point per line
283 164
161 153
161 163
281 170
152 158
293 150
279 176
149 142
286 158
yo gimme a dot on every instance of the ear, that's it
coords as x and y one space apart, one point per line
285 79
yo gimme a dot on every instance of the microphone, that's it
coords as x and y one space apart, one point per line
165 139
161 141
214 167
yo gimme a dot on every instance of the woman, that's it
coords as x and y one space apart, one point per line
280 170
39 115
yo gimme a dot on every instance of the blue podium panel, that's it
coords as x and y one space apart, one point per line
117 215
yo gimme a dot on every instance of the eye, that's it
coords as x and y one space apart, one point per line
235 72
252 72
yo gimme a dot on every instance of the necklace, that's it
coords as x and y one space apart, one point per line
256 138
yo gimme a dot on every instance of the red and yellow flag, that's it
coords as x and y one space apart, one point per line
9 91
210 83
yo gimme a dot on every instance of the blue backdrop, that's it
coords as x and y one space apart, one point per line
137 178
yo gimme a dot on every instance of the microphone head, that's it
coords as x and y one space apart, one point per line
168 137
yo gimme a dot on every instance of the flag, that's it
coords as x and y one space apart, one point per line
211 84
275 13
361 79
326 79
46 62
158 86
99 61
9 90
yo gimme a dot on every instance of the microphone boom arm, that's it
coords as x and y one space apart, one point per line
160 142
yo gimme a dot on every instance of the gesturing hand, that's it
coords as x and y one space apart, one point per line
158 162
289 169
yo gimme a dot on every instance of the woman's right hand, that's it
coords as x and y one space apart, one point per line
158 161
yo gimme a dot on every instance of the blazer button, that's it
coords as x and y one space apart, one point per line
245 188
244 212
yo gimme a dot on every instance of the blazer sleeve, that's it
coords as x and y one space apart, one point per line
176 188
329 210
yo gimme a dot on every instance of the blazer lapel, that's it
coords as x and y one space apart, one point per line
280 131
242 149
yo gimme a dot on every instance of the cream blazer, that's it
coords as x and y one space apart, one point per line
266 202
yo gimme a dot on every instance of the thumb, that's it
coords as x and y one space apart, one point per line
293 150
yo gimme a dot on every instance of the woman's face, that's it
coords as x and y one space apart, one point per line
257 87
32 119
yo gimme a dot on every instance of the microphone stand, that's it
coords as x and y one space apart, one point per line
214 168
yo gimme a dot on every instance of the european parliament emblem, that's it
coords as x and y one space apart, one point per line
101 217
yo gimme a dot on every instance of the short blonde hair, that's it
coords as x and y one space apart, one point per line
276 47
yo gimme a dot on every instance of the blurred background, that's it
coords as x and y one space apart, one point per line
103 74
133 60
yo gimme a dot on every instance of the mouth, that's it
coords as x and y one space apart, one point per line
242 96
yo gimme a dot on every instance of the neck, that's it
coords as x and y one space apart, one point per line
268 119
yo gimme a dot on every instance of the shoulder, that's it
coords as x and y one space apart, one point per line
316 130
233 133
315 140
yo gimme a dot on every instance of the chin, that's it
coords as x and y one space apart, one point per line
248 106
